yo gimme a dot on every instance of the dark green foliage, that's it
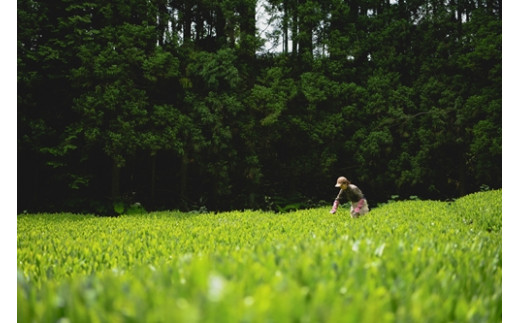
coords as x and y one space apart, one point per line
175 103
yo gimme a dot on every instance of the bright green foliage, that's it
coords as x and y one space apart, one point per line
410 261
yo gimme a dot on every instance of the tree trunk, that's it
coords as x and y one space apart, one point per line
247 25
184 181
285 27
186 23
153 176
116 177
305 29
162 23
294 28
220 27
247 43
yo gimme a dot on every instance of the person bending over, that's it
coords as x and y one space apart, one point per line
358 203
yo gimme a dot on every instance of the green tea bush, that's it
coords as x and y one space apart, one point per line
408 261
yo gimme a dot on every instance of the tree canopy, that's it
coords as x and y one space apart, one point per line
182 104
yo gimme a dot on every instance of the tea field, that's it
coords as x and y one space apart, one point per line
408 261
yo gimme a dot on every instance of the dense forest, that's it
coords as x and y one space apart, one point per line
197 104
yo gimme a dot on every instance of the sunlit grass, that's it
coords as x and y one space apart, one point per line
411 261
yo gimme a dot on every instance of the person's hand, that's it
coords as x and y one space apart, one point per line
334 207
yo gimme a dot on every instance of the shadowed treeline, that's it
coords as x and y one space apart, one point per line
174 104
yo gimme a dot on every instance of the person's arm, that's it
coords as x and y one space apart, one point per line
335 205
358 196
359 205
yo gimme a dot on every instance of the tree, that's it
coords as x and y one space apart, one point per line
213 106
44 99
171 100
